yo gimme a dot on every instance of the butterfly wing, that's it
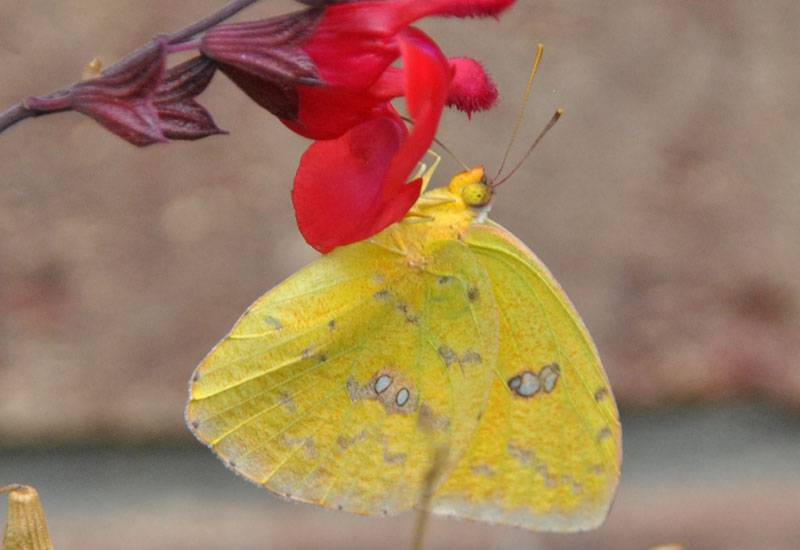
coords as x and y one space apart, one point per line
547 453
340 386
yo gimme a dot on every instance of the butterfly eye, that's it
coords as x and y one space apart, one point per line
476 194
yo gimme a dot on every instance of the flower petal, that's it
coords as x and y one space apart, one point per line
347 52
338 188
327 113
387 17
427 77
353 187
471 88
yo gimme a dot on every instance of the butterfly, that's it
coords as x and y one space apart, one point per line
437 364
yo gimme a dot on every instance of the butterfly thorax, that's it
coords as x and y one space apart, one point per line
466 199
441 214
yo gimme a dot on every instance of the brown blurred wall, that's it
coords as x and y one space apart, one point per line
666 202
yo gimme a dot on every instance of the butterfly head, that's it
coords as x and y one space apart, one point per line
472 187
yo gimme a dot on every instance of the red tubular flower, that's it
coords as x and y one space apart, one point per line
327 73
349 188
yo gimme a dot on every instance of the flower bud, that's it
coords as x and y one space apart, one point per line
180 116
142 102
26 528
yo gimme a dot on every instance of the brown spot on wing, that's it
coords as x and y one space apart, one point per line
274 323
601 394
528 459
483 470
346 442
471 358
451 357
430 421
383 295
392 458
448 355
409 315
287 402
306 443
521 455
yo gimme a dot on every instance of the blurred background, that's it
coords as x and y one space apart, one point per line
666 202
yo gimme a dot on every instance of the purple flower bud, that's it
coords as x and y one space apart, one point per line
265 58
180 116
122 100
142 102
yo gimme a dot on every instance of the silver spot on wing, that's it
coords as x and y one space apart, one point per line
383 382
402 397
549 376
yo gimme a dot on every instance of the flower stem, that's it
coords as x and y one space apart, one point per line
15 114
21 111
212 20
183 46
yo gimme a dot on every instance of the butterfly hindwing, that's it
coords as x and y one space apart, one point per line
339 386
547 453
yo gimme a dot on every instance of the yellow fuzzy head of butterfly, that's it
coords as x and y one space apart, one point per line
447 212
465 199
471 187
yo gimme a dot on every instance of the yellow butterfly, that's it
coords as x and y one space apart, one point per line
437 364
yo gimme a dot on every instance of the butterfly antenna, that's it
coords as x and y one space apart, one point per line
556 116
444 147
525 97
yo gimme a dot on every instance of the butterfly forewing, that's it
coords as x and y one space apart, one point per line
340 386
547 453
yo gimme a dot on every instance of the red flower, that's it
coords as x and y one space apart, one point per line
327 73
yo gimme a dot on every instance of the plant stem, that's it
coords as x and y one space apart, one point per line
206 23
20 111
15 114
